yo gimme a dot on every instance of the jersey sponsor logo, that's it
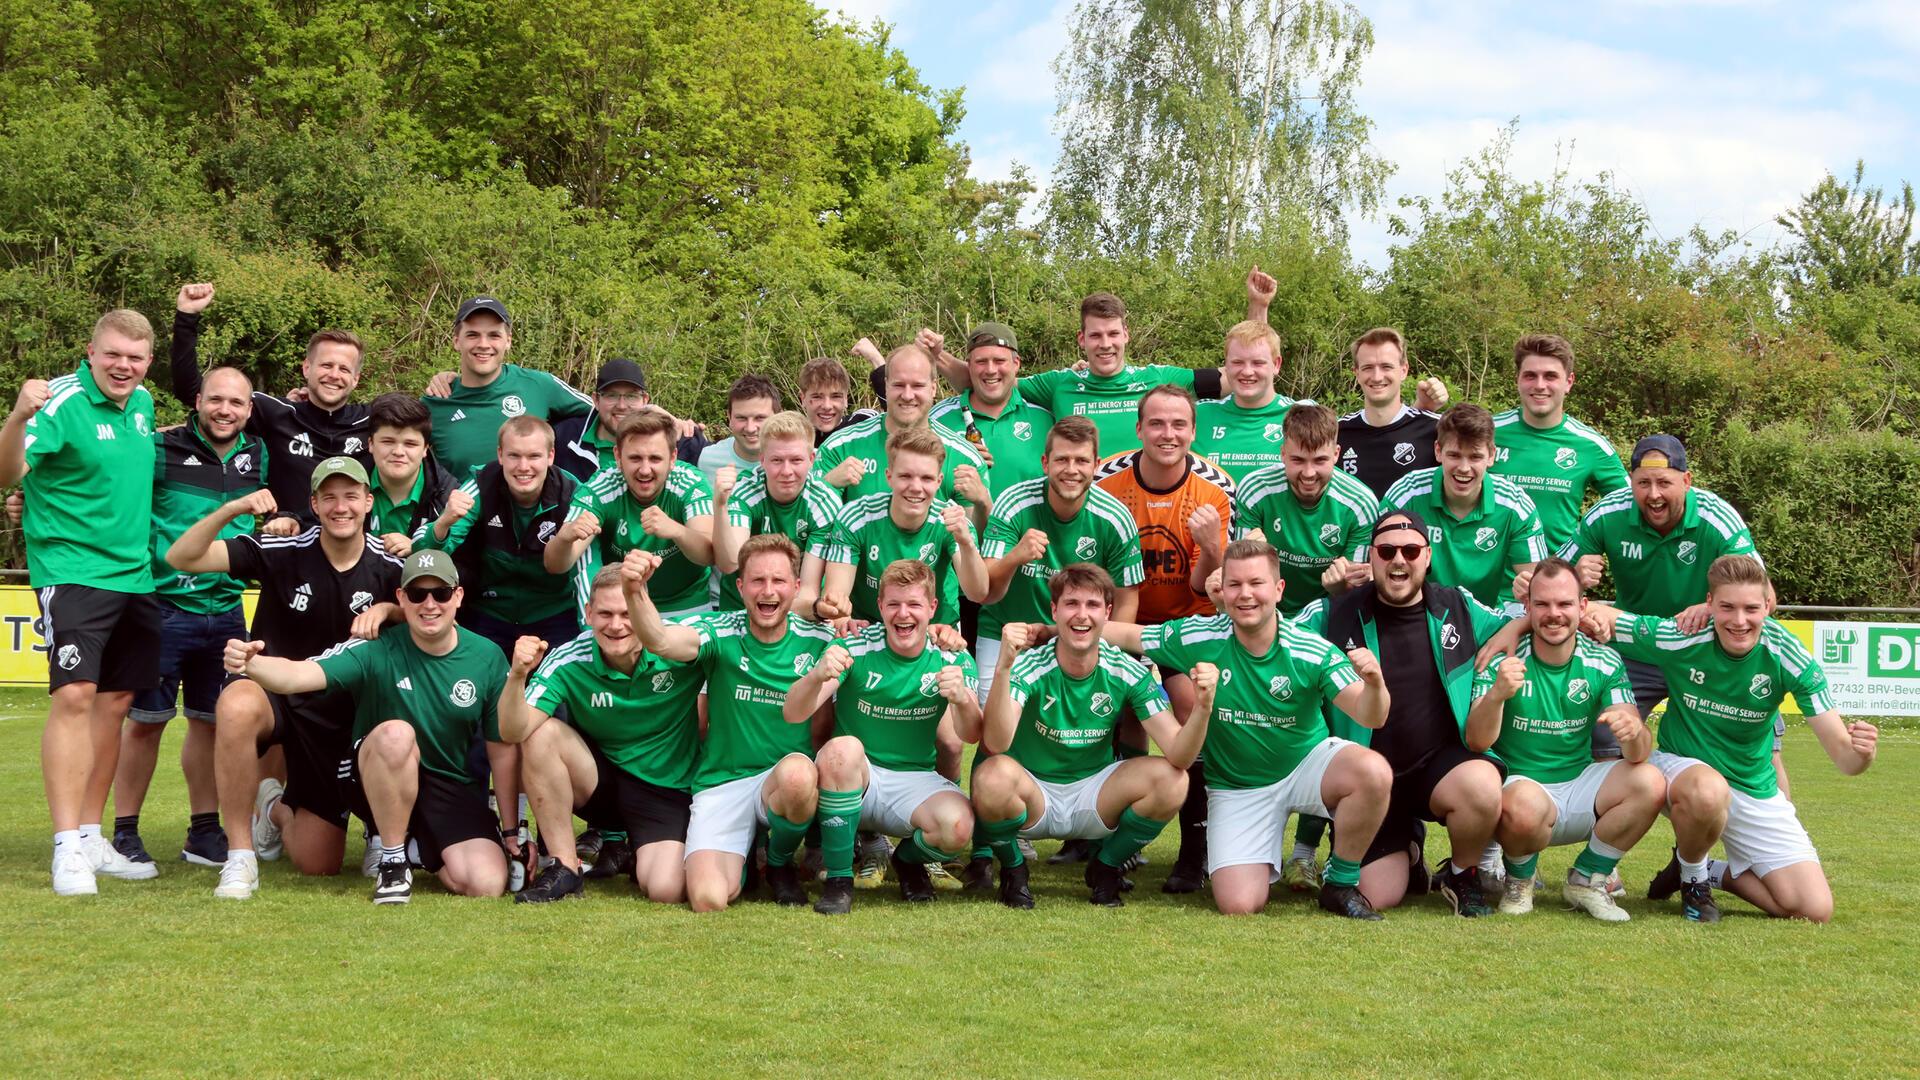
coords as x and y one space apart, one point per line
1279 686
546 531
1085 548
352 445
405 683
1449 636
1687 552
929 685
1403 453
1630 550
300 445
603 699
1486 538
192 461
1578 692
243 463
464 693
103 432
1761 686
362 600
511 405
1023 431
458 415
1271 433
1330 535
1102 704
1566 457
69 656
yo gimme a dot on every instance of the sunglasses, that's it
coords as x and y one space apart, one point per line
418 594
1409 552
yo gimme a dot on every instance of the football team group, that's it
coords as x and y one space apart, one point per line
1145 594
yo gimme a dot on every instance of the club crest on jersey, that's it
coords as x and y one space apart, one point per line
1102 704
801 663
1687 552
1449 636
1280 686
361 601
546 531
69 657
464 693
1403 453
1271 433
929 684
1577 691
140 424
1023 431
300 445
243 463
1761 686
353 445
663 682
1085 548
511 405
1486 538
1330 535
1566 457
926 553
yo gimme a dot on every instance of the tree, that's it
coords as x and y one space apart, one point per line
1185 127
1848 236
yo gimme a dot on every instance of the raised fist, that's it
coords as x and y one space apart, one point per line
1590 568
952 682
1512 676
1205 676
1015 638
193 299
258 503
968 485
527 651
723 482
835 662
1261 287
458 504
638 568
33 394
1031 548
847 473
657 522
1430 394
584 527
954 519
1367 667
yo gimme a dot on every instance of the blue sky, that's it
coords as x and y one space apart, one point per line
1719 112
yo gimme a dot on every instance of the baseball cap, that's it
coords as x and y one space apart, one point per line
1391 522
482 303
429 562
338 466
620 370
1659 452
991 333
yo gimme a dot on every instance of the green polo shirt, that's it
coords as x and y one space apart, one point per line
1241 440
1655 574
466 423
445 699
1476 552
1112 402
1556 467
645 723
1016 438
391 517
89 489
1308 538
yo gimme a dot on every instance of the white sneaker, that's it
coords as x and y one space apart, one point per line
1592 897
266 835
73 875
1516 898
239 878
107 860
370 859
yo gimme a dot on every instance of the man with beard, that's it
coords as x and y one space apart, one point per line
990 412
1313 513
854 459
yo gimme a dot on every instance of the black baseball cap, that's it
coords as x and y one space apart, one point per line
1391 521
620 370
482 303
1659 452
991 333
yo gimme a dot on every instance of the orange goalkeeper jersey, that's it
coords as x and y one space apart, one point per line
1167 550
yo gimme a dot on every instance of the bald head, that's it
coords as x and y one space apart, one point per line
224 406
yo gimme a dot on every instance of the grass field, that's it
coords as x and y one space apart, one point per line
311 979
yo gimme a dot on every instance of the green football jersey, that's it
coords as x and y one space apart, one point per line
867 440
750 507
1309 538
1241 440
1655 574
444 698
191 480
892 703
1479 551
1546 730
1719 707
1268 712
466 423
1102 533
680 584
1556 467
1112 402
1066 724
89 494
747 683
865 537
1015 438
645 723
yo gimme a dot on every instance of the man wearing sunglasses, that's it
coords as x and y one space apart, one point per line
1425 636
420 691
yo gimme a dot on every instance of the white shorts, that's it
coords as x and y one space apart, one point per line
1762 835
892 796
1573 802
986 657
1072 811
1247 825
723 818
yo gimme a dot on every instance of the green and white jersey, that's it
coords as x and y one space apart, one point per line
89 494
1655 574
892 703
1015 438
1308 538
867 440
191 480
646 723
866 538
1268 712
445 699
1479 551
1556 467
1546 730
747 682
1239 440
1112 402
680 584
1719 707
809 516
1102 533
1066 724
466 423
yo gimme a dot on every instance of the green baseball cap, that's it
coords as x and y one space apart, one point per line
339 466
991 333
429 562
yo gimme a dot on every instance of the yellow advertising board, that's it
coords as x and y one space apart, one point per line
23 649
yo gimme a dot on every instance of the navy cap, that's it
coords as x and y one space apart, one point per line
479 304
1390 522
1659 452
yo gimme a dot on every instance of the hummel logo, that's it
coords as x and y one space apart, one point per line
405 683
191 460
458 414
495 523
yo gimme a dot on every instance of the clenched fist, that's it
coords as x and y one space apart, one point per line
237 653
194 298
1206 678
954 519
527 651
1510 678
1031 548
1015 638
835 662
723 483
848 473
657 522
258 503
952 682
1367 666
968 485
1261 288
584 527
637 568
1431 395
33 394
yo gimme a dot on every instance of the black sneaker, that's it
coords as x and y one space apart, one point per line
1072 851
1103 881
556 882
1420 880
1346 901
1185 877
1013 887
395 885
1463 892
586 846
615 861
1667 881
915 885
836 897
784 883
1696 902
205 848
978 876
129 845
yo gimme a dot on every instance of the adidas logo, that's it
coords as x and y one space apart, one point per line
458 414
834 822
191 460
495 523
304 590
405 683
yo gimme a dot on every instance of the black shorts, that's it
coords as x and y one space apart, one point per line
110 639
445 813
1412 801
317 734
648 813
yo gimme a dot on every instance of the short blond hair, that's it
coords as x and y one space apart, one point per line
787 425
126 322
907 574
1255 332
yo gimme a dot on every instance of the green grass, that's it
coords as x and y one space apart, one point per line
311 979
